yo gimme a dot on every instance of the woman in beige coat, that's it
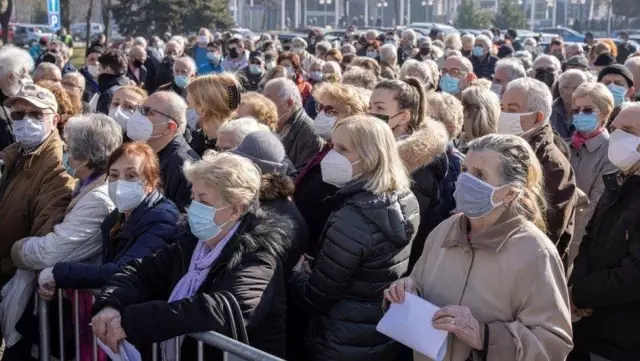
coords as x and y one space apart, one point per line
496 275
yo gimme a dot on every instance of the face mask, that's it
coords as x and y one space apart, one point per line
509 123
126 195
270 65
474 198
623 149
425 50
297 50
312 41
465 53
192 119
383 117
93 70
546 77
30 133
120 116
372 54
390 41
478 51
336 169
139 127
67 166
316 75
202 39
201 221
496 88
323 125
255 69
213 56
181 81
618 93
449 84
233 53
585 123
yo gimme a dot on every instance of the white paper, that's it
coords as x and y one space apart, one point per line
126 351
93 103
410 324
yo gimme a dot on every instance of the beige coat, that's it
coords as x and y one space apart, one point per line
512 279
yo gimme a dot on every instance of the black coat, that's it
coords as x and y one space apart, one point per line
140 81
484 68
172 158
365 247
152 62
6 125
249 267
300 139
606 275
251 81
164 71
108 86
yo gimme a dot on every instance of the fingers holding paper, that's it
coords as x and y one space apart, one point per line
459 321
395 292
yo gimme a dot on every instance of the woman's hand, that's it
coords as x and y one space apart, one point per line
107 327
115 334
395 292
46 284
303 265
459 321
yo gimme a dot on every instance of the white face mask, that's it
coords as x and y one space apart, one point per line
270 65
120 116
323 125
192 119
623 149
126 195
509 123
496 88
336 169
202 39
93 70
31 133
140 128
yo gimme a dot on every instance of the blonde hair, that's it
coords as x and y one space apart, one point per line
345 95
482 109
134 89
261 108
383 169
453 41
446 109
600 47
599 95
211 93
520 167
236 178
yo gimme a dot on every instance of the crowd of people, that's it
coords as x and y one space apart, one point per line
289 192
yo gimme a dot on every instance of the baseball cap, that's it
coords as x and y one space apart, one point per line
36 95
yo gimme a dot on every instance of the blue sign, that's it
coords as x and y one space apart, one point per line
54 20
53 6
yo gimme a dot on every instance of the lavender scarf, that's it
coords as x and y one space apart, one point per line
201 262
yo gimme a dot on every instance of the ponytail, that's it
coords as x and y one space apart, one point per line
421 114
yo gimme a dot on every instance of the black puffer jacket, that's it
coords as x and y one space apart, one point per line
366 246
249 267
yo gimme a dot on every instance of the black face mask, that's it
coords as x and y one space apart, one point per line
466 53
425 51
137 63
384 118
170 58
233 53
546 77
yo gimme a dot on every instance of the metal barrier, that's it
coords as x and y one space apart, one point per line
232 350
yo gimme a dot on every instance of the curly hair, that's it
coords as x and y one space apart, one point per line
66 107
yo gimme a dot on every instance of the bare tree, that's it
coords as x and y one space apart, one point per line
106 19
89 14
6 10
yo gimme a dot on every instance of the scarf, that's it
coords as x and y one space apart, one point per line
578 139
201 261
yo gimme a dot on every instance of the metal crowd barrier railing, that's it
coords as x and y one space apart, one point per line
232 350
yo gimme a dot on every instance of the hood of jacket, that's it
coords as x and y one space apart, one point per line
276 186
420 148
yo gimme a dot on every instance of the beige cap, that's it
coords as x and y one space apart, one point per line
36 95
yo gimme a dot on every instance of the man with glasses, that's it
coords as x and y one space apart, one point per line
74 83
456 75
172 51
161 122
35 189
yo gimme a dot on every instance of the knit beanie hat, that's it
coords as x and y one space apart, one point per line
265 150
617 69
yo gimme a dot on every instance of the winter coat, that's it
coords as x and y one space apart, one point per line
140 80
484 68
91 87
365 247
107 89
172 159
561 121
420 153
164 71
453 160
511 278
560 188
606 274
389 72
250 81
150 227
6 124
35 191
249 267
300 139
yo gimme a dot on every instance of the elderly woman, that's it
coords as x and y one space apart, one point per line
232 250
124 103
389 62
256 105
364 246
315 71
418 70
360 78
299 47
332 72
561 117
591 106
453 41
498 278
481 111
231 133
468 40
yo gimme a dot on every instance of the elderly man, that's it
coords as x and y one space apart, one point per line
507 70
561 118
619 80
547 68
184 71
526 108
408 42
483 62
294 125
457 73
633 64
468 41
47 71
573 49
153 59
15 66
35 189
136 71
74 84
601 282
172 51
389 61
419 70
161 122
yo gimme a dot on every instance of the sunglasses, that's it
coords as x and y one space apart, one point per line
146 111
583 110
20 115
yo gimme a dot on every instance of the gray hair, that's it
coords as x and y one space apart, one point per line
360 78
287 89
484 40
468 39
175 108
388 51
530 42
373 32
513 67
414 66
323 46
453 41
632 64
554 61
348 49
188 61
140 41
539 97
298 42
16 61
175 43
410 34
241 127
572 78
576 48
525 58
482 108
92 138
315 61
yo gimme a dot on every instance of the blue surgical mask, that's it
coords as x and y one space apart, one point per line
474 197
478 51
449 84
181 81
201 221
372 54
67 167
255 69
315 75
618 93
585 123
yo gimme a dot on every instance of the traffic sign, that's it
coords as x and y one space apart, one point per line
53 6
54 20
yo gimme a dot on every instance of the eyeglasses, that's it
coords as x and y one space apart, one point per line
36 114
146 111
328 109
454 73
69 85
584 110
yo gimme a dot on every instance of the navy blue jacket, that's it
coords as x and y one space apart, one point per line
484 68
91 86
150 227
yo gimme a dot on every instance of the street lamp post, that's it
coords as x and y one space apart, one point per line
325 3
427 5
381 6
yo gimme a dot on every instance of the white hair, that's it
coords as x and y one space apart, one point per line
372 32
316 61
287 89
468 39
174 42
188 61
538 95
15 60
298 42
92 138
178 39
176 109
577 48
513 67
139 40
530 42
409 34
241 127
556 63
413 66
453 41
572 77
335 66
388 51
348 49
468 67
485 40
633 63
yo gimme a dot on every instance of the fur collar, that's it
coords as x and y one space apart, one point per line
419 148
275 186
